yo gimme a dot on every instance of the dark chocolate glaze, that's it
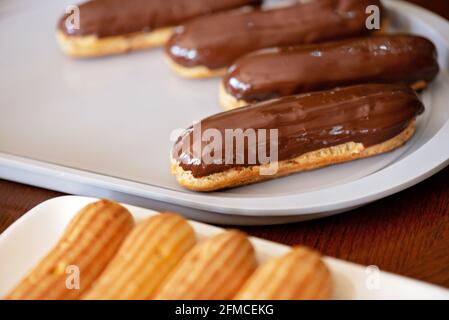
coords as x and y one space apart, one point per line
284 71
367 114
105 18
218 40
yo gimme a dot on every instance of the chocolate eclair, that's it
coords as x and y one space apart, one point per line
277 72
117 26
278 137
205 46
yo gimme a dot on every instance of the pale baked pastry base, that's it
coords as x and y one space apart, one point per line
92 46
199 72
312 160
229 102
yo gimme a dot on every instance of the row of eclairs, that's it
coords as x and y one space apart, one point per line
333 88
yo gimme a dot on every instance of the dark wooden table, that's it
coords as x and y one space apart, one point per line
407 233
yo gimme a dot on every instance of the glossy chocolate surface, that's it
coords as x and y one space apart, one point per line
284 71
105 18
218 40
367 114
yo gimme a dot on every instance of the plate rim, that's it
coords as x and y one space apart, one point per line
350 194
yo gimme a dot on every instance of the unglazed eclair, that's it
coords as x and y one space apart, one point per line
298 275
205 46
117 26
214 269
87 246
278 72
294 133
150 252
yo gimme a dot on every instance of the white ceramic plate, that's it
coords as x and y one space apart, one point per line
102 127
25 242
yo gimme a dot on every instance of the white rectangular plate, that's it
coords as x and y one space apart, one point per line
104 125
25 242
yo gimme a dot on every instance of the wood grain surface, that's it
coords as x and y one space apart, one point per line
407 233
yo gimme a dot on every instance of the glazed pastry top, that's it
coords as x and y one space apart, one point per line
218 40
367 114
379 59
105 18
